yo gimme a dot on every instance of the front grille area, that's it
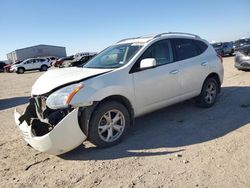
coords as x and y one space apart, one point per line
41 106
47 115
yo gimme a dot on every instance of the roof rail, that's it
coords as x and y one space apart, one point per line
143 36
178 33
128 39
159 35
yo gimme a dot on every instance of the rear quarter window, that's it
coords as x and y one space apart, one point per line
201 46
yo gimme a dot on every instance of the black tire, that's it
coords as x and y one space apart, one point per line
207 98
95 128
20 70
44 68
222 54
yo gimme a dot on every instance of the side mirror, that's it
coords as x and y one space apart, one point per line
147 63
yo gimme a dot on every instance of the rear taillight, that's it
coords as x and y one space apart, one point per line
221 59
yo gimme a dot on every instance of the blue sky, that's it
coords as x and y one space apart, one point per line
91 25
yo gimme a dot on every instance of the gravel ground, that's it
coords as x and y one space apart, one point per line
179 146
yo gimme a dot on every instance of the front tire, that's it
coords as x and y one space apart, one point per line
109 124
209 93
20 70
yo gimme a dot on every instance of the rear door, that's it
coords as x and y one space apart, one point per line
41 62
36 64
28 64
193 65
158 86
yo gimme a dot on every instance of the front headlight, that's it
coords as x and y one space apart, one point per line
62 97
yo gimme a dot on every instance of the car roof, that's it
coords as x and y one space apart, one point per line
147 38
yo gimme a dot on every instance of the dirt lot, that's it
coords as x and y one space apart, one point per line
179 146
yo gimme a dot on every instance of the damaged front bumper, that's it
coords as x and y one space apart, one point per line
63 137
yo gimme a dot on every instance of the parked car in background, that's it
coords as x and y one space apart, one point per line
240 43
242 58
2 65
8 66
51 59
79 60
60 61
133 77
41 64
79 55
224 48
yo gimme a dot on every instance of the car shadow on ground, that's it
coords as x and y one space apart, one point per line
174 128
32 72
12 102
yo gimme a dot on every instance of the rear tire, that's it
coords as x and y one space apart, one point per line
20 70
44 68
109 124
209 93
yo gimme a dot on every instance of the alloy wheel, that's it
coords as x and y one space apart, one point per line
111 125
210 92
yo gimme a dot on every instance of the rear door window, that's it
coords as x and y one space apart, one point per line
35 61
28 62
185 49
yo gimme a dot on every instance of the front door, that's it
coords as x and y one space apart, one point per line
158 86
28 64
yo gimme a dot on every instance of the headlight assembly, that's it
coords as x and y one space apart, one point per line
62 97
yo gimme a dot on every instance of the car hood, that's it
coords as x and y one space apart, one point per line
58 77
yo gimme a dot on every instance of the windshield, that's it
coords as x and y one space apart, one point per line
114 56
18 62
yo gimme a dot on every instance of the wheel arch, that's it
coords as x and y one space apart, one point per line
21 68
85 113
44 65
18 68
216 77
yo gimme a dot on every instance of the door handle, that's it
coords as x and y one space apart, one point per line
174 72
204 64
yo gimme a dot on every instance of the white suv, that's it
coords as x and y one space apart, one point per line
100 100
41 64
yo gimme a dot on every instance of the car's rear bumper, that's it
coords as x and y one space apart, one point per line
65 136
